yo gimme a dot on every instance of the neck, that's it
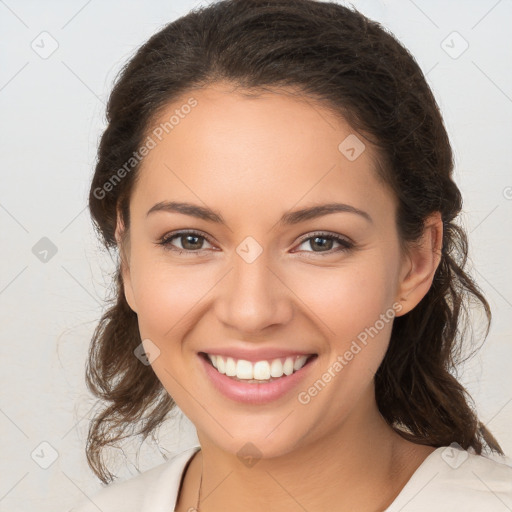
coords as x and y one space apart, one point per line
361 466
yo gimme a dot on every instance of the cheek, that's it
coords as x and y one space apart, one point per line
169 305
349 298
171 297
156 302
168 295
353 307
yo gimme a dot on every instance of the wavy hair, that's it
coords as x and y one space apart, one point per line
357 69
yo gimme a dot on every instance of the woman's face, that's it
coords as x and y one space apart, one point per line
257 281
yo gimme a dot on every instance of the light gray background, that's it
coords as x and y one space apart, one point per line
52 112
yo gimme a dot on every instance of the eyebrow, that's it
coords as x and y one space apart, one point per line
289 218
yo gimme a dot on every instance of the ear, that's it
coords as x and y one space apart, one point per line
124 252
420 264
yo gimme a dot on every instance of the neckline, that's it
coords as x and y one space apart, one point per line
184 458
415 479
183 471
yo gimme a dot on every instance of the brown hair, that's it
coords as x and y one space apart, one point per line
356 68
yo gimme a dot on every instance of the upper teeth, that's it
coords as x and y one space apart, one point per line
261 370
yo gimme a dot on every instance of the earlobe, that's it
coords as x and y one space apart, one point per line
125 264
420 264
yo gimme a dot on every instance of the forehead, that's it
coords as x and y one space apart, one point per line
235 149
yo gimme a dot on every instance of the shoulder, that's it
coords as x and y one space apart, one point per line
153 490
452 478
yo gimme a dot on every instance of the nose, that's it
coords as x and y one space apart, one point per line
253 296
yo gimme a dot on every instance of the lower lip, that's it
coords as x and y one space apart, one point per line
255 393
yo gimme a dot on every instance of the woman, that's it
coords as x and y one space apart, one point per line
278 180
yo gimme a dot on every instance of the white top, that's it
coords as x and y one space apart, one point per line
448 479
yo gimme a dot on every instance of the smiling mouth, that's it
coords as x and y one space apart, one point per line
259 372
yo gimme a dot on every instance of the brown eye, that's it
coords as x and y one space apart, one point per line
325 242
190 241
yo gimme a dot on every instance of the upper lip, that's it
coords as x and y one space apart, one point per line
255 355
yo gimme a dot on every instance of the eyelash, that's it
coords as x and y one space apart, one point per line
165 241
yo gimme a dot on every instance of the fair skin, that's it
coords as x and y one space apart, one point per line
252 159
